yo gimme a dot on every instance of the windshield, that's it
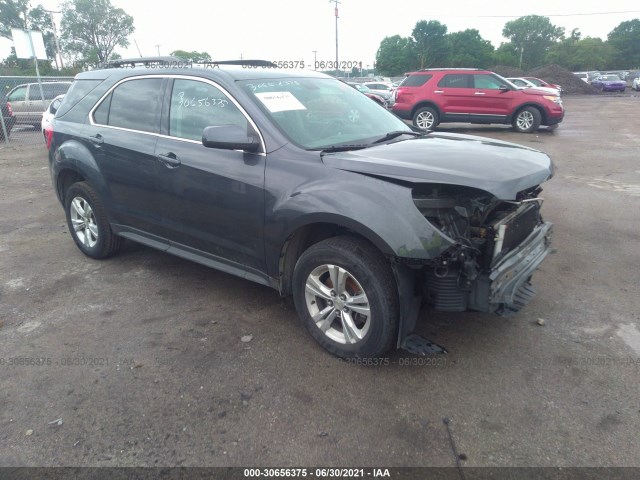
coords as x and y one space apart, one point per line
316 113
610 78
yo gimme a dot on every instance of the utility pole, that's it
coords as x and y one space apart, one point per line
315 59
158 47
55 36
336 11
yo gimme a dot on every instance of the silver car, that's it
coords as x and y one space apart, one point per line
27 102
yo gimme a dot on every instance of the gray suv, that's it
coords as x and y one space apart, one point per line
27 100
296 181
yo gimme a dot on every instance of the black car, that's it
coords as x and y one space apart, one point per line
8 119
297 181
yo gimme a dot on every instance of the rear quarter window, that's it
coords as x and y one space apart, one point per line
79 89
415 80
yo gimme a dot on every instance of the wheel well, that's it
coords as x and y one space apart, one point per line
425 104
543 114
301 240
66 178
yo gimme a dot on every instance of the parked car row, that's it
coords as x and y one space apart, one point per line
611 81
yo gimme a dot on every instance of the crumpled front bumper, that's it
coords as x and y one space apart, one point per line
505 289
510 289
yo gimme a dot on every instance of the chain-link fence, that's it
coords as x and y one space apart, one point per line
23 100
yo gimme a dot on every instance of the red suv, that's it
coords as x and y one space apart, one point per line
433 96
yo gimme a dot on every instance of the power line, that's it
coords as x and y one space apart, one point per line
541 15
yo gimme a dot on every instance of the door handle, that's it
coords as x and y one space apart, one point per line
96 139
479 93
438 91
169 160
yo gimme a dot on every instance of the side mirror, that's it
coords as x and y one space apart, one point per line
230 137
504 89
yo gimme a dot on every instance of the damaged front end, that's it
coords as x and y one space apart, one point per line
497 245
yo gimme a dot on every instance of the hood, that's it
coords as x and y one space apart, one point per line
500 168
540 91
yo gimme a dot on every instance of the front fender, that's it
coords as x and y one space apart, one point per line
380 211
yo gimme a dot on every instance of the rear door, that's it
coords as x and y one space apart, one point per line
36 105
122 137
453 93
212 200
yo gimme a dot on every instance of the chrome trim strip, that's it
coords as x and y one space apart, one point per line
182 77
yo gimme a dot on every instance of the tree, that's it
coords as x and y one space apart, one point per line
19 14
395 56
193 56
506 55
431 45
532 36
94 28
469 49
625 42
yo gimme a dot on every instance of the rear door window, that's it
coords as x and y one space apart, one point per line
134 105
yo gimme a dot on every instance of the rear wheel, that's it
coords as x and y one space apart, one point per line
527 120
345 295
88 223
426 118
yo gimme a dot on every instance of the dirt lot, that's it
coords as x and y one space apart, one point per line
138 360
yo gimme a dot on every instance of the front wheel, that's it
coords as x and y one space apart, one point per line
527 120
87 221
345 294
426 118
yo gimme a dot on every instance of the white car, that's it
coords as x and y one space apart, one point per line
524 83
49 113
636 84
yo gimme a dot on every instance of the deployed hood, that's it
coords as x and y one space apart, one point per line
500 168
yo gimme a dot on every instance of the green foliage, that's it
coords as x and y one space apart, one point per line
625 43
469 49
92 29
13 14
582 55
395 56
192 56
431 46
507 55
532 37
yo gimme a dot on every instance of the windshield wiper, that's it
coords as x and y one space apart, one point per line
344 148
397 133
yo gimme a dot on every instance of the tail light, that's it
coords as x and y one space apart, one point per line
48 135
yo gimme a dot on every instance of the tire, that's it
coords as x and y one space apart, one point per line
360 271
527 120
426 118
87 222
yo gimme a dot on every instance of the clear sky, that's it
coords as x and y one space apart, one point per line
293 29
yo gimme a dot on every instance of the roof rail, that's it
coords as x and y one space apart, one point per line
248 63
132 62
181 62
445 68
